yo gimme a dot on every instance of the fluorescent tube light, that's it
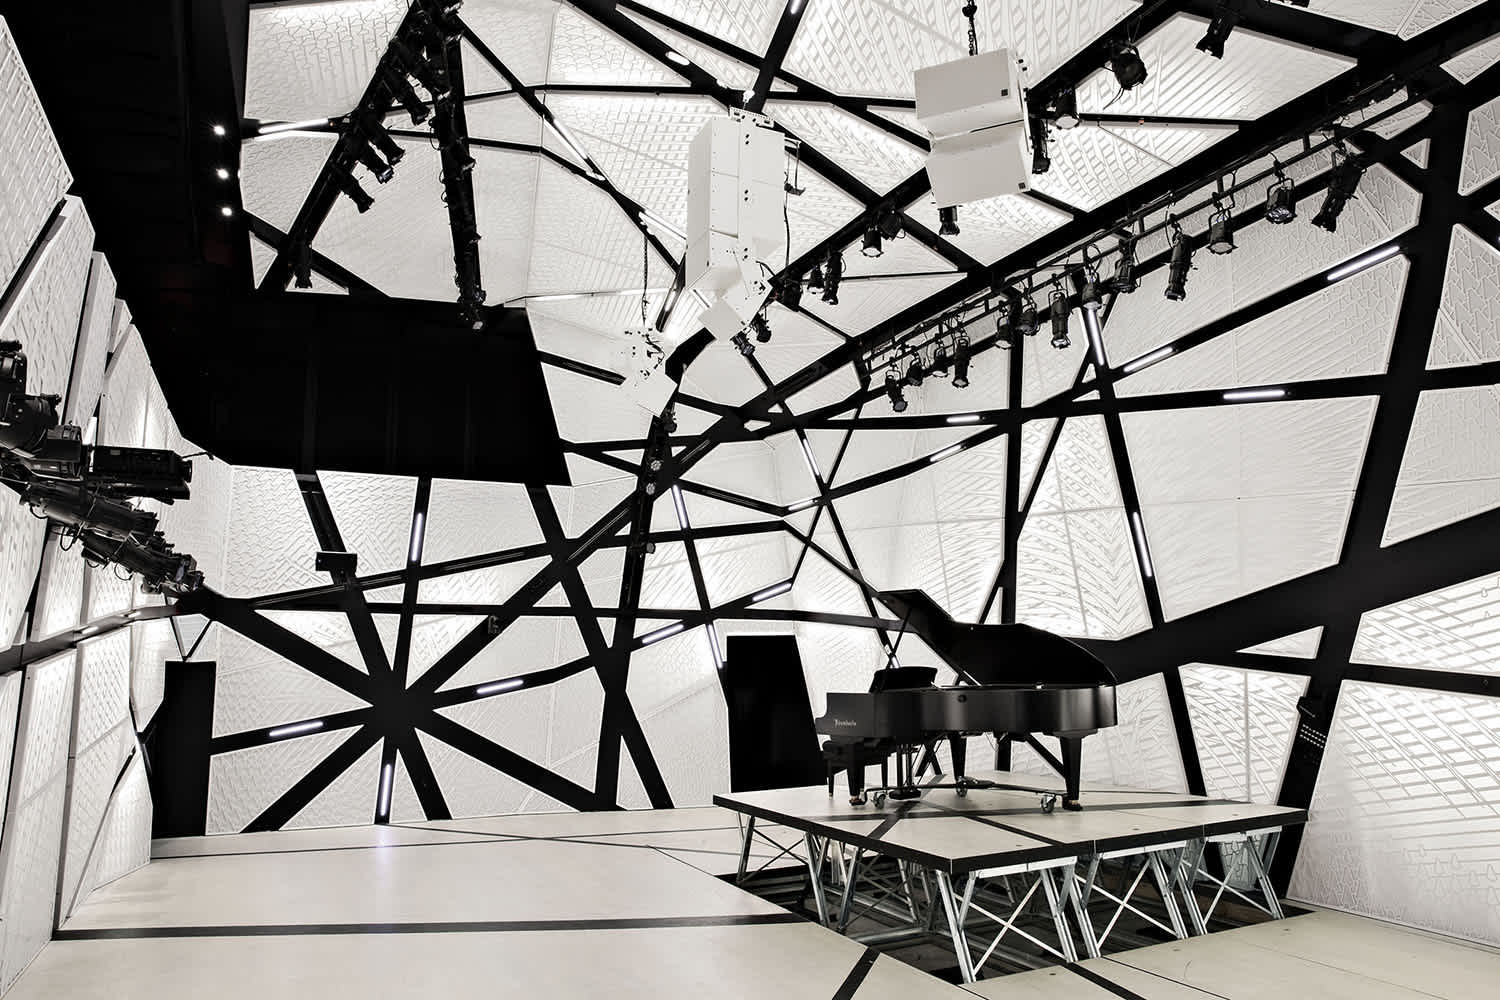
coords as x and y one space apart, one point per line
1363 262
1246 395
296 729
496 687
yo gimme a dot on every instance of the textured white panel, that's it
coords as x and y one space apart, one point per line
200 525
1451 469
87 379
1081 475
737 567
1429 13
609 259
1398 17
505 117
583 52
519 32
328 630
1140 752
1468 327
813 216
1403 825
108 591
243 783
729 72
517 720
261 256
490 585
504 189
44 310
315 60
152 644
103 686
270 542
472 788
432 636
1236 498
689 737
1481 160
587 410
59 603
33 175
1184 81
1303 644
125 839
10 707
994 227
874 157
1344 329
1090 166
874 48
528 644
1474 60
127 389
1243 722
670 670
863 304
276 174
1456 628
348 800
374 516
46 724
257 689
1076 574
467 518
94 772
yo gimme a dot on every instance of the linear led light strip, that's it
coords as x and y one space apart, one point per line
1147 360
1096 336
1363 262
654 221
713 644
770 592
417 527
1249 395
510 684
296 729
802 504
681 505
952 449
1140 544
964 418
812 465
565 296
662 633
386 774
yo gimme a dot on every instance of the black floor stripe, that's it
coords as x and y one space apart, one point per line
979 818
856 977
485 839
896 816
1103 983
426 927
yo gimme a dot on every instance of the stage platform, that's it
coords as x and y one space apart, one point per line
971 863
612 904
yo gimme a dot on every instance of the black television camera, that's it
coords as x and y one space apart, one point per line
86 489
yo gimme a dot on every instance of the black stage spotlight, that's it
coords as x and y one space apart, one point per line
1060 312
433 78
669 419
948 221
1091 296
347 184
1224 19
833 273
1040 161
961 362
888 221
302 266
1281 200
742 344
1347 170
914 372
377 167
940 361
790 294
402 91
762 328
1182 263
373 130
1128 67
1005 325
1221 232
1125 280
871 246
1027 322
815 277
1065 108
893 390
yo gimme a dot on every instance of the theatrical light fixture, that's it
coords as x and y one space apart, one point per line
1027 321
871 246
372 133
1224 19
1248 395
495 688
1281 200
833 273
347 184
1146 360
1060 312
1091 296
961 362
914 372
401 90
790 292
1363 262
1065 108
948 221
1005 325
940 361
1182 263
378 168
742 344
1040 161
815 277
222 173
433 78
662 633
1127 66
888 221
302 266
295 729
893 390
1344 179
1221 232
762 328
770 592
1125 280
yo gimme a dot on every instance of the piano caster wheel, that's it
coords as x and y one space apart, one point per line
963 791
880 800
1049 803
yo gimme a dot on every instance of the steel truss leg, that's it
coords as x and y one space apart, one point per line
1260 864
816 861
1168 898
1081 906
749 835
1059 916
851 876
1187 881
955 914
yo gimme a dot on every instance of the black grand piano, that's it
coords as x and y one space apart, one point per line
1014 681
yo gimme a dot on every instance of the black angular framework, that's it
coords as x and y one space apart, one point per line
1366 576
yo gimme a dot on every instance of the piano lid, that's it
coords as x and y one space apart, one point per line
996 654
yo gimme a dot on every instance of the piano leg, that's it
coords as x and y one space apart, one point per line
958 745
856 784
1072 760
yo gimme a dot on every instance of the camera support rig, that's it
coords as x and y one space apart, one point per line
85 489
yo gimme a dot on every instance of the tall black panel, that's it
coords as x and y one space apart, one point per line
771 738
177 750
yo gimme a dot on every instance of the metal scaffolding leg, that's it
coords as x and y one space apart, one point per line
851 876
1059 915
816 862
749 835
955 914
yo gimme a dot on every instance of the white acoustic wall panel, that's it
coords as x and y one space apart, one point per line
528 644
504 183
610 260
1140 752
468 518
103 689
1468 326
87 378
877 158
124 842
1451 469
59 599
276 174
488 585
152 644
200 525
1237 498
349 800
243 783
107 591
1456 628
261 257
32 846
10 707
328 630
994 227
1243 722
374 516
1405 822
726 70
127 388
516 720
473 788
315 60
584 52
1303 644
669 671
1481 162
1091 166
689 737
270 544
258 689
93 774
1474 60
33 176
863 304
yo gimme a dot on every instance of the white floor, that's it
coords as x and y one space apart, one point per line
612 905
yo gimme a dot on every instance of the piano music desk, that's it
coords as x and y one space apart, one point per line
961 843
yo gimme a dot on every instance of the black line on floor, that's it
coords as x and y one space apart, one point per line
1103 983
856 977
981 818
485 839
896 816
1198 990
426 927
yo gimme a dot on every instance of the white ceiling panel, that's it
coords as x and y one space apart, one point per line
1091 165
261 257
1468 328
33 176
994 227
610 257
315 60
1303 645
1081 475
1474 60
728 71
1451 469
583 52
746 24
1456 628
518 32
877 158
276 174
507 119
817 212
1481 162
863 304
1397 17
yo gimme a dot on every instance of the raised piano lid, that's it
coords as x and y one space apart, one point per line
996 654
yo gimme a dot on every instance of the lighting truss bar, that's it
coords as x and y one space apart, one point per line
1368 260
